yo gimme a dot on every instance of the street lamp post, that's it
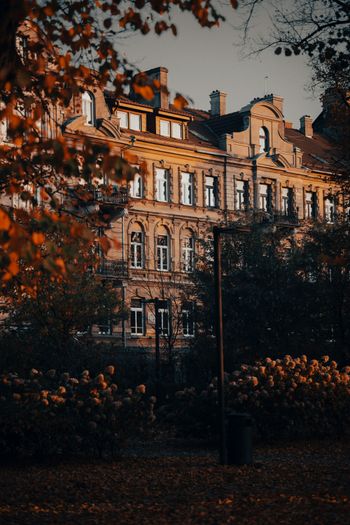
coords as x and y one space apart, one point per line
218 231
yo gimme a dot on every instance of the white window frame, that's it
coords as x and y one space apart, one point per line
240 195
211 191
88 108
187 188
163 254
164 319
129 120
263 140
164 128
187 319
174 134
136 186
168 128
137 250
310 212
263 197
137 319
286 201
188 254
329 209
162 185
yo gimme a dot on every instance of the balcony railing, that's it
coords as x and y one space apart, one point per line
118 198
112 269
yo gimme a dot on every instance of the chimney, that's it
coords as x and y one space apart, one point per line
161 93
306 126
217 103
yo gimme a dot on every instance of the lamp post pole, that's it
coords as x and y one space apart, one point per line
217 231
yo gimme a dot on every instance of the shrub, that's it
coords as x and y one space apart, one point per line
287 397
49 413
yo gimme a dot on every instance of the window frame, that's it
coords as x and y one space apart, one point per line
137 329
166 184
187 189
88 108
128 118
161 250
137 248
187 320
187 254
137 181
211 190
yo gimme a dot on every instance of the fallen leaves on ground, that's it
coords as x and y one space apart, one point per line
297 484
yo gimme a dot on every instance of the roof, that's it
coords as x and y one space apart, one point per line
318 152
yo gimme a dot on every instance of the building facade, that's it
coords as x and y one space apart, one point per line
194 169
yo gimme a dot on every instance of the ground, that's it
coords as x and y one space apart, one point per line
304 483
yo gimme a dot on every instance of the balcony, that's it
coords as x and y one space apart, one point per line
118 198
112 269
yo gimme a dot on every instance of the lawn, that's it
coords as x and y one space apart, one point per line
305 483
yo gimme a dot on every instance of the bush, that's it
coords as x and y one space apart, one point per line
56 414
287 397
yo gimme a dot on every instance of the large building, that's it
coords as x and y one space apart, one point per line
195 169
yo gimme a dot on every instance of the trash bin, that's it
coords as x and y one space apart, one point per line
239 439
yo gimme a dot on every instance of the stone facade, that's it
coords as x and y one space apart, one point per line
199 169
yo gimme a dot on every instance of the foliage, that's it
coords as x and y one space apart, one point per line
46 323
281 293
50 53
287 397
48 414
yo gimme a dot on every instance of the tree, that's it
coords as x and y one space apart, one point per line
51 51
49 324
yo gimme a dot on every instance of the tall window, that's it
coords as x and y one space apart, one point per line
136 187
105 328
163 318
211 192
162 185
163 259
3 129
264 140
137 317
137 250
310 205
188 320
287 201
88 108
265 197
188 253
187 188
329 209
242 194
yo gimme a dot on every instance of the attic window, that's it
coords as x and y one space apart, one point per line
88 108
170 129
129 120
264 140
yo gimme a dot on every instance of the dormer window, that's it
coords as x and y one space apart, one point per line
170 129
264 140
88 107
129 120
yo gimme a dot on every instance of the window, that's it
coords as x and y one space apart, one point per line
265 197
136 187
106 327
163 318
170 129
163 260
310 205
187 188
165 128
188 253
162 185
287 201
137 250
137 317
264 140
329 209
3 129
88 108
129 120
211 192
242 194
188 320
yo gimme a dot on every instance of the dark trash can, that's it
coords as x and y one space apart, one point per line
239 439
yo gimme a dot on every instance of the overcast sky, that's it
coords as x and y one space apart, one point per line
201 60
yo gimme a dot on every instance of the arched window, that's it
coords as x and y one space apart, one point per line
187 251
88 107
264 140
163 250
137 247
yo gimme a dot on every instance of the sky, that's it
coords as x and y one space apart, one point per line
200 60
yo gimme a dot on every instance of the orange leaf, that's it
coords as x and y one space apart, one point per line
180 102
38 238
146 92
5 222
